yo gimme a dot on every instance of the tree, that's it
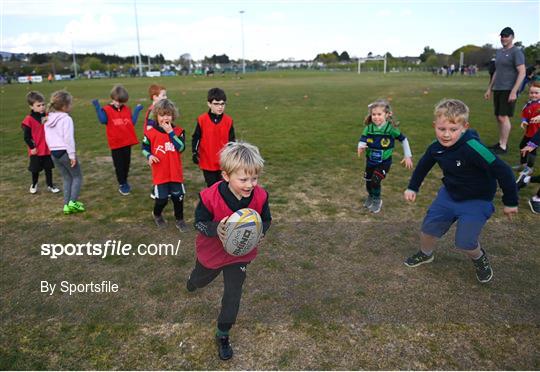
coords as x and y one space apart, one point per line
426 53
93 64
532 53
344 57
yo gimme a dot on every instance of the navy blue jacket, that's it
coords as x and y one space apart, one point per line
470 170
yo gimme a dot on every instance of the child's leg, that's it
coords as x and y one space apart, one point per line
367 177
531 158
178 202
439 217
76 175
427 243
211 177
159 205
233 279
35 178
522 144
127 161
48 177
120 163
63 164
201 276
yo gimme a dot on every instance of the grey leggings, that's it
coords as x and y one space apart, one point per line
72 177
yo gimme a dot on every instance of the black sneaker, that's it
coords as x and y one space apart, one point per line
181 225
484 273
497 149
225 350
159 220
535 205
190 287
418 259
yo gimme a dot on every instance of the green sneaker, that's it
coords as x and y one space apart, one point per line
67 209
76 206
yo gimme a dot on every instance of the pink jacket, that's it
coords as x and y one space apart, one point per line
60 133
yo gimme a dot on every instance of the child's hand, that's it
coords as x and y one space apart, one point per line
523 125
407 161
222 229
361 150
409 195
33 151
95 102
167 127
536 119
152 159
510 211
526 150
73 162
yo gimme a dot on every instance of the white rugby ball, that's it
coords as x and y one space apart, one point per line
244 230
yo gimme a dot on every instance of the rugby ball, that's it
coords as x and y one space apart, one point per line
243 232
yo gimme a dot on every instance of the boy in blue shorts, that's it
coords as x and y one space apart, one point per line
471 173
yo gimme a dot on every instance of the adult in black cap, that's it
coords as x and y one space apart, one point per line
509 73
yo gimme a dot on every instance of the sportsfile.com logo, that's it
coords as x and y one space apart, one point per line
109 248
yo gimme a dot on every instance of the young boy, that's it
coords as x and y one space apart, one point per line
470 174
534 202
34 137
156 93
213 130
120 129
241 165
163 144
529 112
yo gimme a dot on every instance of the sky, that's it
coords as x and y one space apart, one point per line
272 29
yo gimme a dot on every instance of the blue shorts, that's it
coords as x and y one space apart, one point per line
471 216
174 189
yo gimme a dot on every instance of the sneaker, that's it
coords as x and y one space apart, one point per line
181 225
522 180
225 350
368 202
124 189
53 189
33 189
375 206
418 259
67 209
484 273
190 287
76 206
535 205
159 220
497 149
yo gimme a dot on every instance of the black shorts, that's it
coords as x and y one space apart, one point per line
38 163
501 105
170 188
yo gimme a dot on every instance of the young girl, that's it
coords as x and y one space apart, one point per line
59 134
163 144
378 138
120 128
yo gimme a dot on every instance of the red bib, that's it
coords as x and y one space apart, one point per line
210 251
120 129
38 135
169 168
213 138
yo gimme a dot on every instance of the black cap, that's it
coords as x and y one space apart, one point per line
507 31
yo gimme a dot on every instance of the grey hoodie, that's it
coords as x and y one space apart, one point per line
59 133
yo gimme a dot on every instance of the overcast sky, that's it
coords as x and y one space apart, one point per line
273 29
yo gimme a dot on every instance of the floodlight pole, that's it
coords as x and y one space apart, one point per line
74 59
242 31
138 39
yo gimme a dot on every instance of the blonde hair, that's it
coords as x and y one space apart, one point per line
454 110
237 156
165 107
119 93
385 105
60 100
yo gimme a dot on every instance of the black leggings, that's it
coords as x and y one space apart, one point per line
528 158
121 160
178 203
48 177
234 276
211 177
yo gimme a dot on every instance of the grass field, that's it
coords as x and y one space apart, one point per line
327 291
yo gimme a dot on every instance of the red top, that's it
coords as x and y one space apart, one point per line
213 138
146 127
169 168
210 251
530 110
38 135
120 129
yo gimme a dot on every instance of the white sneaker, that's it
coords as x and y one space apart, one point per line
33 189
53 189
